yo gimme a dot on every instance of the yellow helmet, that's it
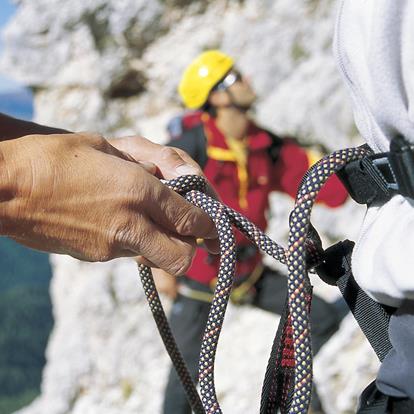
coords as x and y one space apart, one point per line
201 75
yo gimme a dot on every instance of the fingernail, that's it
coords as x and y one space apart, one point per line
186 169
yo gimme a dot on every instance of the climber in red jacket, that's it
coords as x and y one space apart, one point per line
244 163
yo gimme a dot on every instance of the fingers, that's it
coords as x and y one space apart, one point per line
177 220
175 162
99 143
171 211
182 161
142 260
172 164
148 167
213 245
170 161
169 252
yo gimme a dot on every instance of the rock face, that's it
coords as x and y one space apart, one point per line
113 66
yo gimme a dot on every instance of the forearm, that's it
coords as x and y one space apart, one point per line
54 197
11 128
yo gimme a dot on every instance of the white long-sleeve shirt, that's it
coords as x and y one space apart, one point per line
374 46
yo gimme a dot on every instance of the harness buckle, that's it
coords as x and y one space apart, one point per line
384 167
376 178
401 158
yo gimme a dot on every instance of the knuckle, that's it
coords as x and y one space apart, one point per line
150 197
104 254
186 158
182 263
183 154
93 138
120 235
133 141
139 139
168 153
136 190
123 235
109 244
186 222
107 255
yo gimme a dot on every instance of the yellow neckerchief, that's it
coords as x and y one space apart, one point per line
238 153
313 156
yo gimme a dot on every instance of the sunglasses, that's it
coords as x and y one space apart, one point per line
230 79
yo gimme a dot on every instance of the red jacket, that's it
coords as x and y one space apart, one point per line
263 176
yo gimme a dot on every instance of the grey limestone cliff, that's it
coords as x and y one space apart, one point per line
113 66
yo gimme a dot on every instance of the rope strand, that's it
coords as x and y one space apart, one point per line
304 251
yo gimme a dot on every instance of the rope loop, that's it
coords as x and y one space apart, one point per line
288 383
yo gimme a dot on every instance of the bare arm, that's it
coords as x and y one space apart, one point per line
77 194
11 128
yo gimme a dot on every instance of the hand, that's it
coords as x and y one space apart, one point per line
171 162
165 162
165 283
76 194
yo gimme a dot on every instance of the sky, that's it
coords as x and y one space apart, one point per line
7 9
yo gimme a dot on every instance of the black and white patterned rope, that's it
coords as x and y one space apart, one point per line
300 253
298 280
168 339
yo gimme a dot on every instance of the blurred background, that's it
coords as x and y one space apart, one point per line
25 307
113 66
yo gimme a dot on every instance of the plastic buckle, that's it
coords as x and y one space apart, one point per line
383 166
336 262
401 158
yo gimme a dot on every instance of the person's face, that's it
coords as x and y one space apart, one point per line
242 92
239 92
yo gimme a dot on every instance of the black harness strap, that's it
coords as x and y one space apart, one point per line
372 180
372 317
373 401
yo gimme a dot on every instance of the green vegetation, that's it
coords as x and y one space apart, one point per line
25 323
11 404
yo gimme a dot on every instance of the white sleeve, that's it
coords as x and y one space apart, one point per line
374 47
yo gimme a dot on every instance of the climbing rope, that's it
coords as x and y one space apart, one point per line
288 387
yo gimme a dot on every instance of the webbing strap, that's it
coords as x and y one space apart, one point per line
372 317
372 401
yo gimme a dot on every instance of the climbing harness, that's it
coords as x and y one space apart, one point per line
288 380
376 178
244 292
